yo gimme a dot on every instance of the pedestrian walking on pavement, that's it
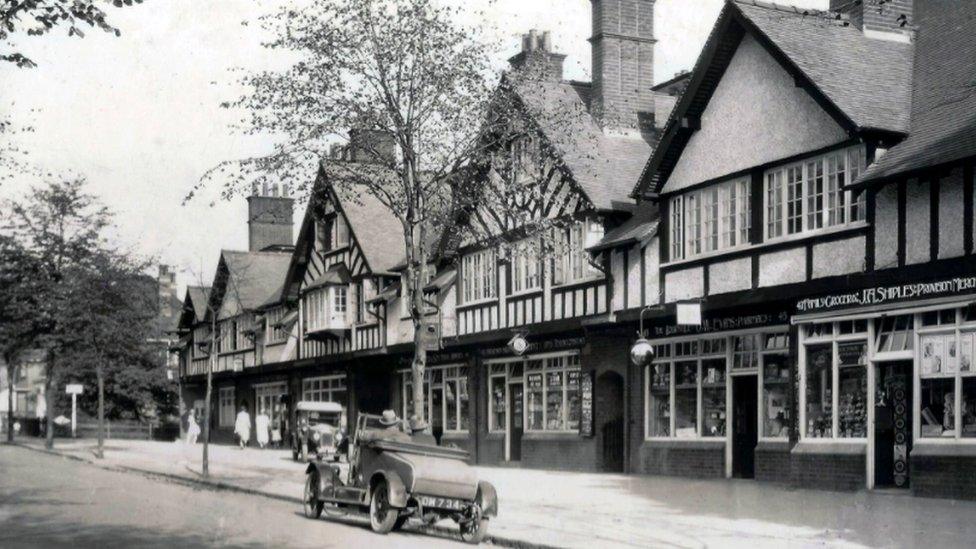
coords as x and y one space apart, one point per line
242 427
192 428
262 424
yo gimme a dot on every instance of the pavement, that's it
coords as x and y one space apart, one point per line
560 509
49 501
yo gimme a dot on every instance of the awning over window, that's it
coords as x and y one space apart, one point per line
387 294
442 281
336 275
288 320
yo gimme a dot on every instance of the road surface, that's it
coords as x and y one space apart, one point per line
50 501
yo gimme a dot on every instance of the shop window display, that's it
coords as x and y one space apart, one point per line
686 399
852 390
659 401
573 400
819 393
555 420
498 404
533 396
713 398
968 407
776 384
938 407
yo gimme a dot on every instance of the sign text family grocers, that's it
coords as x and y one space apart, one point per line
879 295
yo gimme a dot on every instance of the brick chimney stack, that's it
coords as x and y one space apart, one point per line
623 62
537 59
166 281
269 218
878 18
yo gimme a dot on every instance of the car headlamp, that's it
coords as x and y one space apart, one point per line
315 437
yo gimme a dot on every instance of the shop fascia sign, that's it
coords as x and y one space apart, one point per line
539 346
879 295
720 324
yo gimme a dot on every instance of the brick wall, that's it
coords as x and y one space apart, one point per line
943 476
562 454
823 471
623 59
883 16
685 459
773 463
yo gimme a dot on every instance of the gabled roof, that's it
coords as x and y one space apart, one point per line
639 228
864 83
604 165
943 122
376 229
246 280
197 297
336 275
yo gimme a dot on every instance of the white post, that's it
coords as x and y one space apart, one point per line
74 414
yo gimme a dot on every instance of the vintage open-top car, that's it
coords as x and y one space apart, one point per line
319 430
397 476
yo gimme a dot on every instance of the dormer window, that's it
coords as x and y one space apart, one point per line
331 233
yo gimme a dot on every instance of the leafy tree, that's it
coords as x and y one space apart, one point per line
406 69
21 317
39 17
61 227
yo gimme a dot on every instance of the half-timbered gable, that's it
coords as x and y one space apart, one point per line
194 330
344 259
754 198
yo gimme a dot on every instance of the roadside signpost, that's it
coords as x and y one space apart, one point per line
74 389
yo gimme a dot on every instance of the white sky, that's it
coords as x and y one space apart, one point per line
139 115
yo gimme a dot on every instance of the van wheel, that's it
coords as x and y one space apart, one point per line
310 500
382 516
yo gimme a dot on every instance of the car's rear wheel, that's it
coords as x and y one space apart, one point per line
310 500
382 516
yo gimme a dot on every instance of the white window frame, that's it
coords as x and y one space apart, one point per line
834 339
526 272
571 264
479 276
824 203
562 363
713 219
955 330
339 299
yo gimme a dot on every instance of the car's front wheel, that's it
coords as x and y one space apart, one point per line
382 516
310 500
475 529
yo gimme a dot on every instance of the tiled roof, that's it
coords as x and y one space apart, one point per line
639 228
336 275
198 296
253 277
864 82
375 227
868 79
604 165
943 124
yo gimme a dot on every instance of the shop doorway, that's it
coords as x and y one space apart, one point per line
516 421
610 398
745 426
892 424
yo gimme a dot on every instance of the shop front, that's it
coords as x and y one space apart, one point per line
718 404
887 393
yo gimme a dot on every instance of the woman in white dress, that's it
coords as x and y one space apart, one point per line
242 427
192 428
262 424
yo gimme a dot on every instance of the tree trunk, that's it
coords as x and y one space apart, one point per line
11 376
49 404
205 467
99 373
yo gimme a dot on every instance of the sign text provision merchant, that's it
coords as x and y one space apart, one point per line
887 294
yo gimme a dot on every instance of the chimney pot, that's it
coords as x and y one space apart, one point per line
547 41
533 40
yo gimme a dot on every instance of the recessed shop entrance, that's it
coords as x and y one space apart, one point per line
610 400
745 430
892 424
516 421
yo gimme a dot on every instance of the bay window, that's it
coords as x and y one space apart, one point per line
326 308
712 219
810 195
478 275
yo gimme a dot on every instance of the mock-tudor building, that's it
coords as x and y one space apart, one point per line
810 194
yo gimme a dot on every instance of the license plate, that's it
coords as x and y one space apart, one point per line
441 503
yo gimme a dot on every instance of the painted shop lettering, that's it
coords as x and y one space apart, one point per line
883 294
